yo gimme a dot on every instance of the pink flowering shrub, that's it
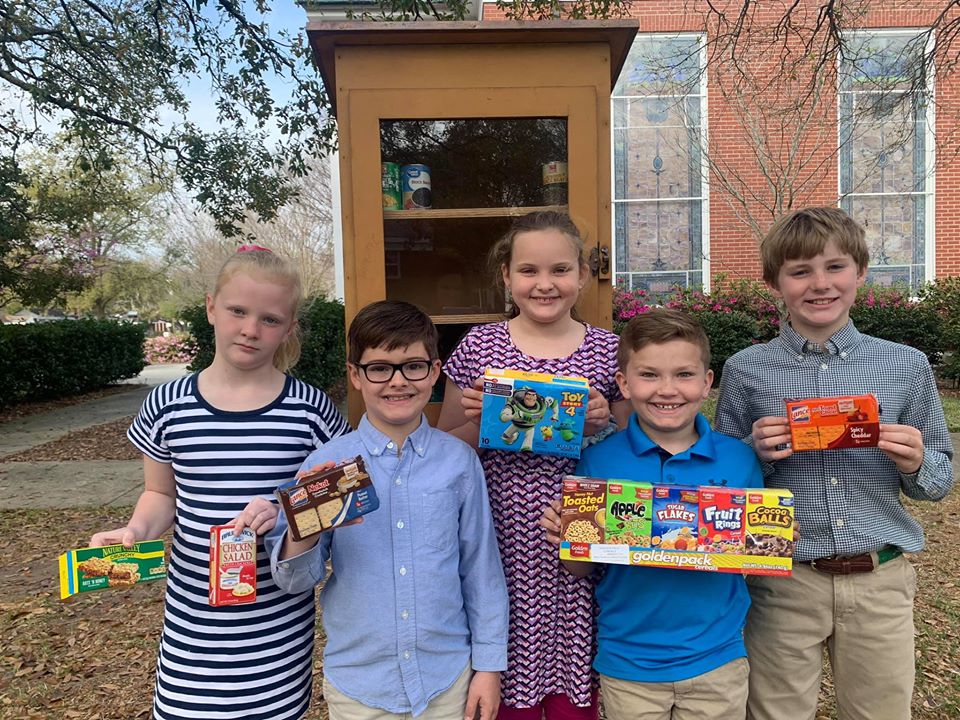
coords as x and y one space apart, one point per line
172 349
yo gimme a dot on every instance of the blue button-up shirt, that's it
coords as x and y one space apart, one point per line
848 500
416 590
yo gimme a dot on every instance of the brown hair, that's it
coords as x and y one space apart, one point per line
390 324
501 253
804 234
262 263
658 326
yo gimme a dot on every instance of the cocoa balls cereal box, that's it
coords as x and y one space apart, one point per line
712 529
850 421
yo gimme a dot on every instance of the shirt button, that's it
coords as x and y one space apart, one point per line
799 357
398 482
400 524
833 481
406 654
823 366
839 523
285 566
844 354
390 445
403 571
404 615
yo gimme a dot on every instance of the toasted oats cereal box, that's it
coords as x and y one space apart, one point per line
533 412
113 566
233 566
849 421
325 499
690 528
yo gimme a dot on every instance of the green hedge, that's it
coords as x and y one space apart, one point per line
66 357
322 355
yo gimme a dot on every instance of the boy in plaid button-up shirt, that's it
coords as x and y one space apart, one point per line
848 501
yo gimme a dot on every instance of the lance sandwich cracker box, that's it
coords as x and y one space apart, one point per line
112 566
325 499
233 566
849 421
533 412
711 529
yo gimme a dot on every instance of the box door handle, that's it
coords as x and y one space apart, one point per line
600 262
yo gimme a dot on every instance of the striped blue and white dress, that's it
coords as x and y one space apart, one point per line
248 661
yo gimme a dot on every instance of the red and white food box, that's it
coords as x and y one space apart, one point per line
233 566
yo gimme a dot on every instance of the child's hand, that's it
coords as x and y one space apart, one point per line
598 413
472 400
315 468
260 515
904 445
768 433
125 536
796 531
483 697
550 521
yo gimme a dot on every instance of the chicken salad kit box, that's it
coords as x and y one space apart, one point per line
112 566
533 412
233 566
325 499
712 529
849 421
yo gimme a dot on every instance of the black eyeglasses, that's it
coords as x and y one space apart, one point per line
381 372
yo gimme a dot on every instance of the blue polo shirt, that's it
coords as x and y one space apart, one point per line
660 624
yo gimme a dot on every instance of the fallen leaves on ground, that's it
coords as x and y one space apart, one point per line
107 441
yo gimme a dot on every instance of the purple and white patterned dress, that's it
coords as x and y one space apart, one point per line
552 631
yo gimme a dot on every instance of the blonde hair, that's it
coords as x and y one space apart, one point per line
804 234
657 327
263 263
502 252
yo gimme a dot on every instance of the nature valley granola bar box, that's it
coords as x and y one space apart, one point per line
533 412
233 566
849 421
113 566
689 528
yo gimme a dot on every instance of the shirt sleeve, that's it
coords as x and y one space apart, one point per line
733 416
463 365
146 430
924 411
481 576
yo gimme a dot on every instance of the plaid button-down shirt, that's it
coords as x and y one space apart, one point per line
847 501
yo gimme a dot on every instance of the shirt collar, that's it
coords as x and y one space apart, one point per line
377 443
841 341
641 443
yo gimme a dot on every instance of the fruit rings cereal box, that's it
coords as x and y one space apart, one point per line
533 412
113 566
850 421
233 566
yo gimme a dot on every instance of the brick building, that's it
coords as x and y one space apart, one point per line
714 138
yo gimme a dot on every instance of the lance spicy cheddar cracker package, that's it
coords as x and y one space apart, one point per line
713 529
849 421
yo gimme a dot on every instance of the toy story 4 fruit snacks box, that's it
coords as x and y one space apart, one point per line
112 566
705 528
533 412
850 421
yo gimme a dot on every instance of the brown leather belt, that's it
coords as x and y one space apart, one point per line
849 564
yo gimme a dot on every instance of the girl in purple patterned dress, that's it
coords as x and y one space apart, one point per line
540 263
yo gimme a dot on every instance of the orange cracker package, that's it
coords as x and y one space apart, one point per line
849 421
233 566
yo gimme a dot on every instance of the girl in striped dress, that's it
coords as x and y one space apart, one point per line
216 444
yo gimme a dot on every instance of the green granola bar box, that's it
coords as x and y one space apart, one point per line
112 566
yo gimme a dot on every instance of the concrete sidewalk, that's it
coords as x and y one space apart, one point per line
71 484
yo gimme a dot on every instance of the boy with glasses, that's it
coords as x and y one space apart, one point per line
415 608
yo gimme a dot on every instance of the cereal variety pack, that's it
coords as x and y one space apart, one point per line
849 421
712 529
324 499
233 566
112 566
533 412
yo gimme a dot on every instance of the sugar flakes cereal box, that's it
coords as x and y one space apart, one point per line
849 421
706 528
533 412
112 566
233 566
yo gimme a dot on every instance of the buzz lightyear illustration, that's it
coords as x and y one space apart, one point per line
523 410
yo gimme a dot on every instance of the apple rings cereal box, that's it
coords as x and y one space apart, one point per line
233 566
850 421
112 566
533 412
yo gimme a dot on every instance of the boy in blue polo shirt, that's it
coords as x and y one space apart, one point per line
669 642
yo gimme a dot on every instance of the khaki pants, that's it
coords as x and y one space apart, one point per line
866 622
720 694
448 705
